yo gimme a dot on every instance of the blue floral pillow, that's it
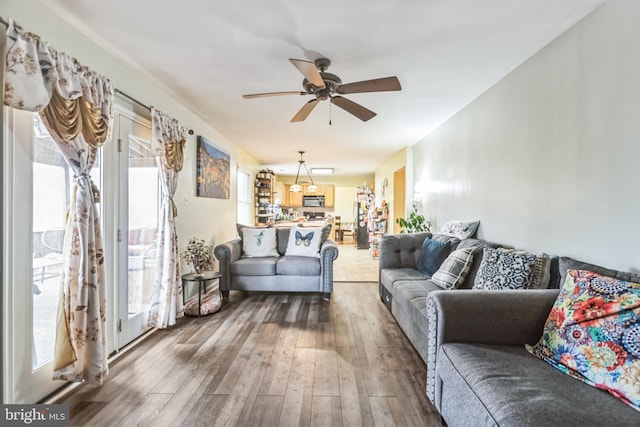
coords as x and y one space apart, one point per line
593 334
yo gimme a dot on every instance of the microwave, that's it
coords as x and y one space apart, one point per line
313 201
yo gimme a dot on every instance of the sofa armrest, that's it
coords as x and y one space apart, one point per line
226 253
483 317
328 254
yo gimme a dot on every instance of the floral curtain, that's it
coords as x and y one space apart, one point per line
75 104
168 137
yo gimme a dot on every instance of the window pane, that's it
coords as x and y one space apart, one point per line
244 196
52 182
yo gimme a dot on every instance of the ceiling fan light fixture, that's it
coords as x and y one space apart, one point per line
321 171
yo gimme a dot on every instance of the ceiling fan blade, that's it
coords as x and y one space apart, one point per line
264 95
376 85
305 111
356 109
309 71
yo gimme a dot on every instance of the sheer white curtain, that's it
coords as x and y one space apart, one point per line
75 104
167 141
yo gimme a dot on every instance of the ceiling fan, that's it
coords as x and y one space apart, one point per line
325 86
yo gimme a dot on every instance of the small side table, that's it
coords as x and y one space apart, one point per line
202 280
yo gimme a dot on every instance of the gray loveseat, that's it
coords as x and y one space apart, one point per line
276 274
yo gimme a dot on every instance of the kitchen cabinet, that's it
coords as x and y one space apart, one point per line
306 192
329 195
282 193
295 198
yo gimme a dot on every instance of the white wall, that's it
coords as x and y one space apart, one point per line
547 158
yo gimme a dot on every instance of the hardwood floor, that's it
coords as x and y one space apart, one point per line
268 360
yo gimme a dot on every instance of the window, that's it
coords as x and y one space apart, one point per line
244 198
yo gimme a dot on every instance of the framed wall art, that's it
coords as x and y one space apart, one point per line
213 171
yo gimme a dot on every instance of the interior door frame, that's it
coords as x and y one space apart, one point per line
399 197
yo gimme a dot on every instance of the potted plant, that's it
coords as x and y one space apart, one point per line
198 255
414 224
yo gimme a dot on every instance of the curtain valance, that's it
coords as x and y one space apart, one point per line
35 72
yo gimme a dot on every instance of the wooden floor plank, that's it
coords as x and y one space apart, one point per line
268 359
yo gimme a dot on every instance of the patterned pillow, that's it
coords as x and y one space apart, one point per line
259 242
209 303
504 269
433 255
304 241
454 269
541 274
593 334
460 229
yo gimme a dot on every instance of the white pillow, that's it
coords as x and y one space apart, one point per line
259 242
304 241
460 229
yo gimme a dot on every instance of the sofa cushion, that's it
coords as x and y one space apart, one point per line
433 255
510 387
304 241
409 308
254 266
504 269
298 266
460 229
593 334
259 242
454 269
388 276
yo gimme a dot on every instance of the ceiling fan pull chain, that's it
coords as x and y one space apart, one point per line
330 113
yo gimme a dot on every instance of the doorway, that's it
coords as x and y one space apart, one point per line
399 197
138 199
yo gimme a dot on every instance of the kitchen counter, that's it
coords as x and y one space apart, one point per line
286 224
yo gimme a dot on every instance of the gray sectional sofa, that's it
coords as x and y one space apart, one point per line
276 274
473 343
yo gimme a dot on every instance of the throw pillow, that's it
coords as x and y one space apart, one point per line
454 269
593 334
541 274
504 269
259 242
304 241
433 255
326 232
460 229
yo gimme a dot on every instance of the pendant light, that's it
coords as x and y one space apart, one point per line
297 187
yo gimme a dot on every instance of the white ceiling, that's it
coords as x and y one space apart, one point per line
208 53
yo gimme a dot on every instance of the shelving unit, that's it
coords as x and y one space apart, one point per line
264 193
378 219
